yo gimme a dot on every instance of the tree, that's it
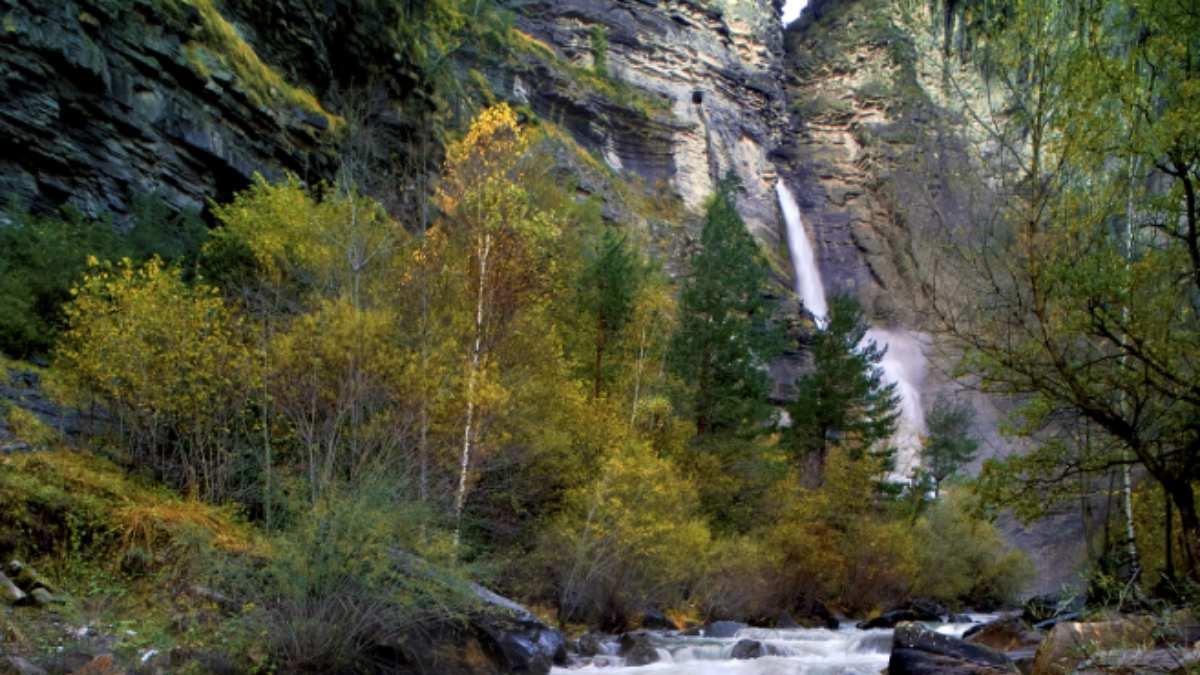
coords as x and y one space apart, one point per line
948 444
609 284
844 400
629 537
494 223
726 335
1079 299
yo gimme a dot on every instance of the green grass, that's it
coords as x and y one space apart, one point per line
218 39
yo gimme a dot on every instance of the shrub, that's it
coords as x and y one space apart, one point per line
358 572
169 364
627 540
961 558
742 581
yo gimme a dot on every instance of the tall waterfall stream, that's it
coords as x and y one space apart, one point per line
904 363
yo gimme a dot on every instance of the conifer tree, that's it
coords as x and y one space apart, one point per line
609 283
726 335
844 400
949 443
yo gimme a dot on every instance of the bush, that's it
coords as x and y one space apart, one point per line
356 574
628 540
741 581
839 544
169 364
962 560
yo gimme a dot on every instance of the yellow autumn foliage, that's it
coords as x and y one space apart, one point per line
630 538
167 361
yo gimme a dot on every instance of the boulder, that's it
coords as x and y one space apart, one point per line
917 650
1070 643
814 614
1179 628
652 619
913 610
591 644
522 642
26 577
42 597
723 629
1008 634
10 593
638 650
748 649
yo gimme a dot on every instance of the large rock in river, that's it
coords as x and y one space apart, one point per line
916 650
913 610
520 642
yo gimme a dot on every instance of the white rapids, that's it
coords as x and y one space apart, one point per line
799 651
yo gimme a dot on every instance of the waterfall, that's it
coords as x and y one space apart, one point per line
902 365
804 260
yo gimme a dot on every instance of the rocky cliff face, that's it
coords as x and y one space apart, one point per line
879 146
709 78
103 101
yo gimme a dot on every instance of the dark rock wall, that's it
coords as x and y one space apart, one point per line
99 104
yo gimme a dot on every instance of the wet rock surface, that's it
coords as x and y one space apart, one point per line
919 651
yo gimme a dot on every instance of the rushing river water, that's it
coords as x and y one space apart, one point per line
799 651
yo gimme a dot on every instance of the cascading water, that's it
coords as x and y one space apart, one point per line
804 260
904 362
794 651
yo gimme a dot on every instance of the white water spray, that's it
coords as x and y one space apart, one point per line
904 362
804 260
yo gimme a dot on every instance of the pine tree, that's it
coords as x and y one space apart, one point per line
949 443
726 335
611 278
844 400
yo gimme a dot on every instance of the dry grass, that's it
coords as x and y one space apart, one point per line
55 501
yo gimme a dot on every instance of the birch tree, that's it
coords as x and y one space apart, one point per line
498 232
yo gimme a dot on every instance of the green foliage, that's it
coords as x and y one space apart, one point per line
1078 299
599 37
962 560
168 362
609 283
839 543
948 444
844 400
726 331
360 568
41 258
28 427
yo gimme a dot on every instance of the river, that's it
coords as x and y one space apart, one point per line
799 651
